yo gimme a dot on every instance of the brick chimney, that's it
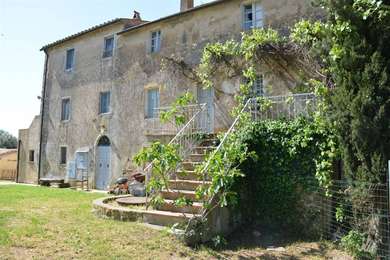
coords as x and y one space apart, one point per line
186 4
137 15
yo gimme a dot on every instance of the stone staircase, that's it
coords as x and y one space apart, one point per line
183 184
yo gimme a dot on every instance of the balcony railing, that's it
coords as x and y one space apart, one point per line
154 126
277 107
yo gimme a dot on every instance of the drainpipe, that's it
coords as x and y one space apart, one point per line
43 98
17 162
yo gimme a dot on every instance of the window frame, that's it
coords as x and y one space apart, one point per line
101 94
71 68
62 109
153 48
31 156
254 17
259 77
105 51
150 111
65 161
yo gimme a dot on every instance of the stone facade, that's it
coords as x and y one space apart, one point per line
29 152
131 72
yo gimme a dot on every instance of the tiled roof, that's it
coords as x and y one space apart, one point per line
128 24
196 8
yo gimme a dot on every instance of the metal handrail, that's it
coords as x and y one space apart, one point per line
181 134
231 129
202 107
156 126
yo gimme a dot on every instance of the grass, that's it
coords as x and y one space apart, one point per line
40 223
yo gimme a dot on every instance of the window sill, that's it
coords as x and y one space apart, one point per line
105 114
65 121
151 118
156 53
69 70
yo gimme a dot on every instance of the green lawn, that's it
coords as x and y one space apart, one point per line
38 223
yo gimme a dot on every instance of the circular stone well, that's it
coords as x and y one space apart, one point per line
131 201
108 207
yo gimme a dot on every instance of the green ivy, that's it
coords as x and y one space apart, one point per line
165 159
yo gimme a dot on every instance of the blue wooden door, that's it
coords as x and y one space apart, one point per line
103 167
206 96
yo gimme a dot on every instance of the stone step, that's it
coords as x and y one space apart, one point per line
187 184
168 205
190 175
203 149
196 157
166 218
174 194
210 142
190 166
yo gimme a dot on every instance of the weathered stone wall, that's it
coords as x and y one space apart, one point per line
133 70
29 140
91 75
8 164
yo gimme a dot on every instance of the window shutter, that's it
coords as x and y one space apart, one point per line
248 17
259 86
69 59
108 97
104 102
258 15
153 102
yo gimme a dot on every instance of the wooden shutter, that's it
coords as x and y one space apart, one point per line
258 15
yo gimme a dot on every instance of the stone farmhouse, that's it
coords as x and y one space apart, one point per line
103 86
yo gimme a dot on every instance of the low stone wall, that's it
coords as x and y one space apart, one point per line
103 209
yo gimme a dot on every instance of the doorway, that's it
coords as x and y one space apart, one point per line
103 163
206 96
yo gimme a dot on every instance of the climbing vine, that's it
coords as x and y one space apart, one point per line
242 58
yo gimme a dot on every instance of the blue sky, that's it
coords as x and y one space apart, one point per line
27 25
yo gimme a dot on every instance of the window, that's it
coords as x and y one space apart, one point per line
258 87
104 106
156 42
153 102
65 109
108 47
253 16
31 155
69 59
63 151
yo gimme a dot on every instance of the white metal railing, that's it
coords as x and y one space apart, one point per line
189 136
158 127
263 108
287 106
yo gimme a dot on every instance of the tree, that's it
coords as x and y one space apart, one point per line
7 140
353 46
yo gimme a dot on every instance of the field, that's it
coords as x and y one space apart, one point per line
45 223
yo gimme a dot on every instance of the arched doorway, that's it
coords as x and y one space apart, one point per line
103 163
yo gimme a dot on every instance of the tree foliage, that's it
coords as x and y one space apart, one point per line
353 47
7 140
